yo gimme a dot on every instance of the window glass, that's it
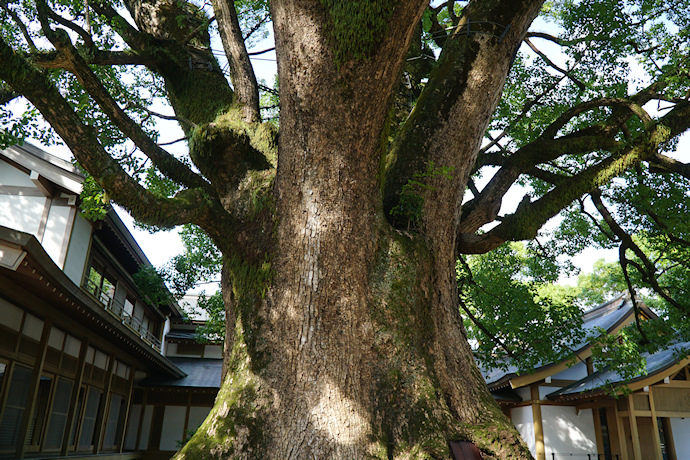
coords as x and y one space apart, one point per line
72 346
93 402
40 415
129 305
14 408
113 430
77 417
58 414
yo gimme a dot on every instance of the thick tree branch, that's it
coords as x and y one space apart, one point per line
529 217
188 206
484 208
42 6
166 163
54 60
474 62
648 269
7 95
668 164
241 71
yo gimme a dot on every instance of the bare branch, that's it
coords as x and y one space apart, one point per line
565 72
241 71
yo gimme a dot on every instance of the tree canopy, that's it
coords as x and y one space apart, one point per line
402 129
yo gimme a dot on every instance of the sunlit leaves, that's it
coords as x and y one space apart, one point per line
510 293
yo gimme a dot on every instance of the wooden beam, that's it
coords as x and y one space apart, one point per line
128 407
668 437
616 433
538 428
102 419
42 184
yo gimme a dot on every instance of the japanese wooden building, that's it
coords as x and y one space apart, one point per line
566 411
86 365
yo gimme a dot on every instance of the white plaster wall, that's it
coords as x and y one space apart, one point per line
78 250
545 391
21 213
166 329
56 228
9 175
146 428
173 427
524 423
171 349
575 372
568 432
680 427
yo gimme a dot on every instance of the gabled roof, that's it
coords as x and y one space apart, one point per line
610 316
659 366
60 172
66 175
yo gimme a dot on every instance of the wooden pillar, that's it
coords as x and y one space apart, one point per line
616 432
655 426
637 451
102 417
127 409
71 414
540 452
33 388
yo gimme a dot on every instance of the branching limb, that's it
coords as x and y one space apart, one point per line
647 270
663 163
188 206
529 217
7 95
43 8
25 32
484 207
54 60
241 71
166 163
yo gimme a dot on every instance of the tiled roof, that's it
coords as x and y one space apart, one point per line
606 316
657 363
201 373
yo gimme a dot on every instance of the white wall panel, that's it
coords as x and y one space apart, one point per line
568 432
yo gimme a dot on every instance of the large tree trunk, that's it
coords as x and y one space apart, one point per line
347 341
